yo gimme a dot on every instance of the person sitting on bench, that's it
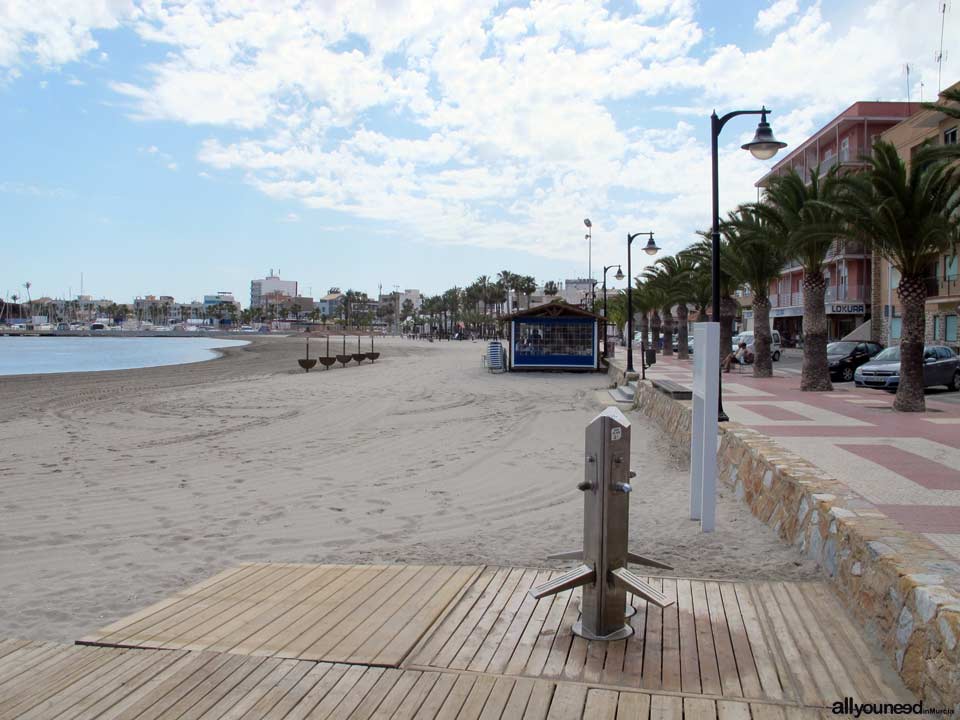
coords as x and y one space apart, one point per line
740 356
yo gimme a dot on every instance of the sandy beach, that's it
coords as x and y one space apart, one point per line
119 488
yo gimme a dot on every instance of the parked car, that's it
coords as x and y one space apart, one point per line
845 356
676 343
941 366
747 337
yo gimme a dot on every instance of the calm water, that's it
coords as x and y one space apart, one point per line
28 355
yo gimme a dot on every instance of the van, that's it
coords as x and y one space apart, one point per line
747 337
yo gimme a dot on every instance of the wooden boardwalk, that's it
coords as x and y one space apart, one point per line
334 641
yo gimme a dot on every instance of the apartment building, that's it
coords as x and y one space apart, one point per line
845 141
271 287
943 282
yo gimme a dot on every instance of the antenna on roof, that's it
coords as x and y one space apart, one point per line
906 72
940 56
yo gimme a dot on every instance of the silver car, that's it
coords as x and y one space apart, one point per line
941 366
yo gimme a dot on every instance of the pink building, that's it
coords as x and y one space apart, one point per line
845 140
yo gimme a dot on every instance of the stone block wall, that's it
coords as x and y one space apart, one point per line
902 589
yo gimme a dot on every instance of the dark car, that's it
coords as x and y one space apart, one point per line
941 366
845 356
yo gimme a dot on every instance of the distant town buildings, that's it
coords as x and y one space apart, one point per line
271 289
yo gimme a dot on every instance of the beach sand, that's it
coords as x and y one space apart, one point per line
120 488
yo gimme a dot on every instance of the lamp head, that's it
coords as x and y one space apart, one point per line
587 222
651 247
619 275
764 145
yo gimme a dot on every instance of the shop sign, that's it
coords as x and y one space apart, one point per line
786 312
845 309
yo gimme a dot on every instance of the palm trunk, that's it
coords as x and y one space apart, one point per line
644 331
762 337
815 375
655 327
876 299
728 313
667 332
912 293
683 352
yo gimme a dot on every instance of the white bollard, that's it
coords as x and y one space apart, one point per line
703 429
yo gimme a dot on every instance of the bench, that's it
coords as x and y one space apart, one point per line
673 389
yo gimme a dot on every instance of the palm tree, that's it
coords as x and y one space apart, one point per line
640 301
910 218
672 273
702 255
550 288
805 219
527 286
509 282
949 95
756 259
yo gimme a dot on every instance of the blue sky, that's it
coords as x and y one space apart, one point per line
187 148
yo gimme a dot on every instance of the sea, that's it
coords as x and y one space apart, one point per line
43 355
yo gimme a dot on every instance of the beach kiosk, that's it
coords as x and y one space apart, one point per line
555 336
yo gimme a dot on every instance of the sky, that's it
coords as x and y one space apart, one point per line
184 148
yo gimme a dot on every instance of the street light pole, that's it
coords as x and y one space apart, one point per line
763 147
618 276
589 238
650 249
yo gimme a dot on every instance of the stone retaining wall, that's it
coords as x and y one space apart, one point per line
904 590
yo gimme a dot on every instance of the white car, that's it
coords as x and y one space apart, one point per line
747 337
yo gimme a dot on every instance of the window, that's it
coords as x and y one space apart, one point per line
949 267
950 136
845 149
895 328
945 353
950 332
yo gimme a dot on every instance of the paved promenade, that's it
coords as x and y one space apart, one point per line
905 465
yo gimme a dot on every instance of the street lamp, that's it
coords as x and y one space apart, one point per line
763 147
650 249
589 238
618 276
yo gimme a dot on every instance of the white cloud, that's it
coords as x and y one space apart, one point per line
776 15
290 218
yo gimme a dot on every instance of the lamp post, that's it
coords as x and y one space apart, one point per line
618 276
763 147
589 238
650 249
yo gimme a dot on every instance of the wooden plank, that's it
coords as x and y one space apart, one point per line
766 660
699 709
689 657
298 692
544 642
476 700
671 678
519 699
190 594
706 652
33 662
726 661
523 617
527 642
268 701
453 702
732 710
612 673
812 662
474 641
273 638
378 693
563 639
328 693
301 587
601 704
539 703
653 643
576 659
596 657
870 677
498 698
633 706
666 707
12 645
320 689
793 665
740 642
357 694
634 650
502 622
455 621
363 613
766 712
293 640
203 690
429 705
568 702
411 622
404 685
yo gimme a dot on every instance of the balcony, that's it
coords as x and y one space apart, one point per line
943 287
853 293
841 248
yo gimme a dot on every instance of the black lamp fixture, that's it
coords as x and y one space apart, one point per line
763 147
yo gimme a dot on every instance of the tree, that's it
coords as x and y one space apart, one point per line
550 288
671 276
805 219
949 95
756 258
702 255
910 217
527 286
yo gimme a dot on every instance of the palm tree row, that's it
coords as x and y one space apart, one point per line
908 217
